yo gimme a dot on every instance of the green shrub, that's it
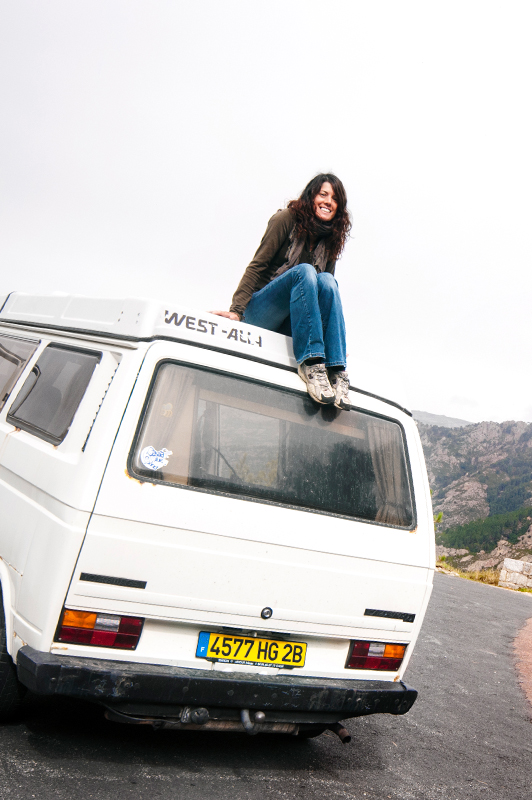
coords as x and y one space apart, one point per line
483 534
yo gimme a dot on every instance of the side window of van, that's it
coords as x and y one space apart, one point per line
14 355
230 435
51 394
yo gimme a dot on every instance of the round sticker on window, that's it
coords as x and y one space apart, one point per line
154 459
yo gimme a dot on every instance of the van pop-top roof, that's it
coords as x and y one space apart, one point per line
139 319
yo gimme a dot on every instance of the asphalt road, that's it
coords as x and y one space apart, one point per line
469 735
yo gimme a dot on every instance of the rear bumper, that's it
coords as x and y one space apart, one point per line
128 685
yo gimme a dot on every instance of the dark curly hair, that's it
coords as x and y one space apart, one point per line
308 225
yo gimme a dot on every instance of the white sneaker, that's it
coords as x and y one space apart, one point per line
317 380
340 385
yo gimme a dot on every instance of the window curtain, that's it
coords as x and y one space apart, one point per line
209 438
393 497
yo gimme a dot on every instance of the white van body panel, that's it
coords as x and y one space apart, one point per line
313 594
47 494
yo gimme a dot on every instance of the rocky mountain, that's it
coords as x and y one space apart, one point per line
439 419
481 472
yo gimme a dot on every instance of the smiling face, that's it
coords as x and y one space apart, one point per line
325 204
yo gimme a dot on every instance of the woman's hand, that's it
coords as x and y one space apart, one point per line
228 314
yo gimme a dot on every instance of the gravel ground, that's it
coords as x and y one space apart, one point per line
467 736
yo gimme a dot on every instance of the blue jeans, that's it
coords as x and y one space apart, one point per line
307 303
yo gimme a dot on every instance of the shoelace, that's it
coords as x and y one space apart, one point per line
340 379
319 373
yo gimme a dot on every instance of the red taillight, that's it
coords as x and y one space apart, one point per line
100 630
376 655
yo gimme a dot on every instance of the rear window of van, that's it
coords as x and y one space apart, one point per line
224 434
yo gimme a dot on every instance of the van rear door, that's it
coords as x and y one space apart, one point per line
229 491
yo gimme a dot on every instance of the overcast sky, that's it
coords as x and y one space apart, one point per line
144 145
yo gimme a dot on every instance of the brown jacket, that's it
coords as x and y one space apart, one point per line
269 257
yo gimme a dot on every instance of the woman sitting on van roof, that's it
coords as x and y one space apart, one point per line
289 286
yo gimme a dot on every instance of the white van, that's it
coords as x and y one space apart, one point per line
186 538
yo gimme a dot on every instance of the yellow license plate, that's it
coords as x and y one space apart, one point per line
250 650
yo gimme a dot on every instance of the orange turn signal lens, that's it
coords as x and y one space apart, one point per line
79 619
394 650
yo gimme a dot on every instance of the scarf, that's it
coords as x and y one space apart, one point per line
321 232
